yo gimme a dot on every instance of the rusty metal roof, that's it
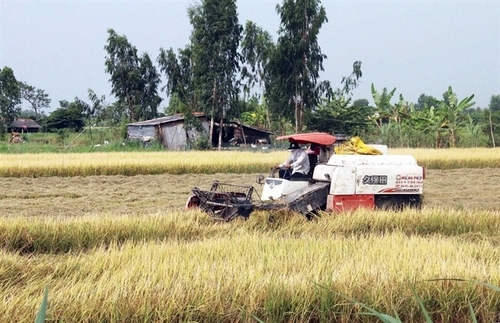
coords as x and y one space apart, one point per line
162 120
180 117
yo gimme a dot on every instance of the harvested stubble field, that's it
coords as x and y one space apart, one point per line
122 249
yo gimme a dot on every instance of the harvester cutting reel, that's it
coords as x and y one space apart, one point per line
226 201
223 201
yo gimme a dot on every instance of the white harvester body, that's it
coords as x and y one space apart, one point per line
383 181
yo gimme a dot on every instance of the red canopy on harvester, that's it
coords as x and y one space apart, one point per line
320 138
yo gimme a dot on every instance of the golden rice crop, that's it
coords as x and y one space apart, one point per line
454 157
207 162
136 163
178 267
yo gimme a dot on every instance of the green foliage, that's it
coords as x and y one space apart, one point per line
425 101
68 116
62 135
10 95
3 132
134 79
201 142
256 48
42 311
215 40
180 81
382 104
92 111
292 86
453 113
338 116
37 98
258 116
491 126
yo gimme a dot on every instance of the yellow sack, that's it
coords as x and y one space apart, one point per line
356 146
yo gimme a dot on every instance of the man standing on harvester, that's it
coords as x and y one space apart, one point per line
296 167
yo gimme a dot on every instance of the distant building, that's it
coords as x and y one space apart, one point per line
171 133
23 126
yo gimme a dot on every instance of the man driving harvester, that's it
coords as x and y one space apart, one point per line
298 163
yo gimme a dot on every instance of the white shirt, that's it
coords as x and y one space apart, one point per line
298 161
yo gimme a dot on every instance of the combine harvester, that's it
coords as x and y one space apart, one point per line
343 177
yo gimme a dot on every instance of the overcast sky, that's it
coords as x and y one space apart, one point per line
414 46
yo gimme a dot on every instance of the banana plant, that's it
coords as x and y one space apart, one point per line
431 121
383 104
453 111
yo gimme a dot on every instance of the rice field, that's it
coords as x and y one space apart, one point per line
208 162
121 248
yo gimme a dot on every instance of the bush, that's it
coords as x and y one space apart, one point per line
3 132
201 142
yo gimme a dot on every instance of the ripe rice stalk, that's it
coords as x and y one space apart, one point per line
231 278
205 162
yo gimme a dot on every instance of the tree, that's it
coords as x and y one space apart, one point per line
149 99
37 98
424 100
340 116
134 80
10 96
256 48
180 86
68 116
297 61
115 113
215 40
453 112
492 115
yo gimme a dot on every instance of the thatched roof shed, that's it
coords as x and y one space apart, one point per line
24 125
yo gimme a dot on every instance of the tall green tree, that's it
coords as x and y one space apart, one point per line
134 79
10 96
293 86
180 86
37 98
215 41
149 98
179 74
256 48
